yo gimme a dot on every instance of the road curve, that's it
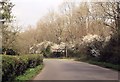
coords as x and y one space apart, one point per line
63 69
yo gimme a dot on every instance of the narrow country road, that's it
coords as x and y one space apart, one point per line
63 69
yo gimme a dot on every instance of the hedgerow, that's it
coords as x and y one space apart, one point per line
13 66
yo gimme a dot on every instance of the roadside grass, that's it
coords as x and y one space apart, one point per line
102 64
29 74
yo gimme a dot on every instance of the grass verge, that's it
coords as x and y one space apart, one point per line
102 64
29 74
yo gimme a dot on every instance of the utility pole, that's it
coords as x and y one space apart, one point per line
66 54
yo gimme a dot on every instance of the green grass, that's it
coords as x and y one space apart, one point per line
106 65
102 64
29 74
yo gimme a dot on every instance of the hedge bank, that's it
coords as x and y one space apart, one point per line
13 66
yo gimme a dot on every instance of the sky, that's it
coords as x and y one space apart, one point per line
29 12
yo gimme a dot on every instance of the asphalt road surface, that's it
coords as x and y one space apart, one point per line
63 69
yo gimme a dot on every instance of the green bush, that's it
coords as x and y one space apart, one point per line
73 53
47 52
111 52
13 66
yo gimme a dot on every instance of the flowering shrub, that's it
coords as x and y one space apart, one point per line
91 38
92 45
38 48
101 49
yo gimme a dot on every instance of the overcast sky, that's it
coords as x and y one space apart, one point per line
28 12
